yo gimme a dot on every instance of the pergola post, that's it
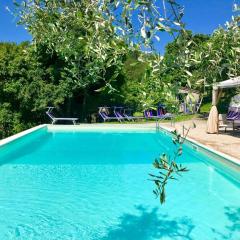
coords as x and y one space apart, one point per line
214 95
212 123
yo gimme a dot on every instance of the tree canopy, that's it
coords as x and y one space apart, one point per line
85 54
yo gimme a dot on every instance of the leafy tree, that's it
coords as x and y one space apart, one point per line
94 52
203 59
78 34
93 37
222 52
27 85
180 61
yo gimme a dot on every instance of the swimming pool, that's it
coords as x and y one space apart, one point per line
93 185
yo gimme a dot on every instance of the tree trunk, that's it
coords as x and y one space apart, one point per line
69 104
84 105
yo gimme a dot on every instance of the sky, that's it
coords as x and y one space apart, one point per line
200 16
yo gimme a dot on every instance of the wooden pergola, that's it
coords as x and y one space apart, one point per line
218 87
212 124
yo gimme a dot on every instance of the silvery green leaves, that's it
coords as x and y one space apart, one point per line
167 166
236 7
168 170
92 37
204 60
81 34
140 23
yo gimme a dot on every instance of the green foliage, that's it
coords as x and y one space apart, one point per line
91 37
134 71
77 56
198 60
167 166
78 34
90 53
224 58
181 60
28 83
205 108
144 87
10 122
187 117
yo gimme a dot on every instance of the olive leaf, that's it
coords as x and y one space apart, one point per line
168 166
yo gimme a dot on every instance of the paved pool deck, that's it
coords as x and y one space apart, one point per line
228 143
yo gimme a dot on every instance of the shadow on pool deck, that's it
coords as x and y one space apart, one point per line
150 225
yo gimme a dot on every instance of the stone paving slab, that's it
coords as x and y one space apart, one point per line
228 143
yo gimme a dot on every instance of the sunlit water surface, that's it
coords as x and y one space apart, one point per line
94 186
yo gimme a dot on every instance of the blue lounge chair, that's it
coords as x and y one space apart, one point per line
104 113
160 114
233 115
127 113
118 112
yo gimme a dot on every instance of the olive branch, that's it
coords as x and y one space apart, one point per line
167 165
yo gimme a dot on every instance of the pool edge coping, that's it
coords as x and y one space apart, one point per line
20 134
193 142
100 126
217 153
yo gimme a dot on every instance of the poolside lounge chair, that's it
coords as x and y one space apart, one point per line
127 113
160 114
233 113
234 116
104 113
149 114
118 112
54 119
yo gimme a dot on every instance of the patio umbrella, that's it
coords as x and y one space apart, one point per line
212 123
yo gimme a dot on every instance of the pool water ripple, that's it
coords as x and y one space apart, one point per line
94 186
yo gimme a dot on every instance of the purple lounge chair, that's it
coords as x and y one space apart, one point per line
118 112
160 114
127 113
149 114
104 113
233 115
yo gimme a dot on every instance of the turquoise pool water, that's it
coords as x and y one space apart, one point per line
93 186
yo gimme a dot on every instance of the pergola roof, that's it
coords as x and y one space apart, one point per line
230 83
212 124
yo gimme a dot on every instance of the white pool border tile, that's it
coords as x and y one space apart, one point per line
101 127
207 150
21 134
